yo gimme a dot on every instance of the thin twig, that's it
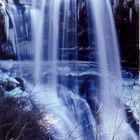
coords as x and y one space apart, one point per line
7 124
21 132
7 135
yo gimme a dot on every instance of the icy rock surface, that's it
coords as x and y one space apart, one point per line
10 87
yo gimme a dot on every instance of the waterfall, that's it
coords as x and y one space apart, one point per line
38 14
76 121
112 113
54 27
15 26
13 35
65 26
53 40
37 19
69 34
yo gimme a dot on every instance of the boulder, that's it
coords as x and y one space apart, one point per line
20 83
11 83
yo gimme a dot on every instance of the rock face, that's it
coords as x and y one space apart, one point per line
14 28
6 48
131 119
6 51
20 83
2 29
127 22
2 91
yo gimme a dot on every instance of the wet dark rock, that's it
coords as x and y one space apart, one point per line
6 51
14 84
2 91
2 32
131 119
16 1
128 33
10 85
21 83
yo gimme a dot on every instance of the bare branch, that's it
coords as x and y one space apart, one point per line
7 135
21 132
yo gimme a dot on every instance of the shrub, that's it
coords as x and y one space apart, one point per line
19 123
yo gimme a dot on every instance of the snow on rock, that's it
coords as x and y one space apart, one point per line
11 79
14 88
8 65
130 97
11 86
17 92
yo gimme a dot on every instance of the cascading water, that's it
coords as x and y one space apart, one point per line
38 36
53 41
13 12
112 114
69 28
65 23
78 116
11 34
69 34
74 111
15 26
38 11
